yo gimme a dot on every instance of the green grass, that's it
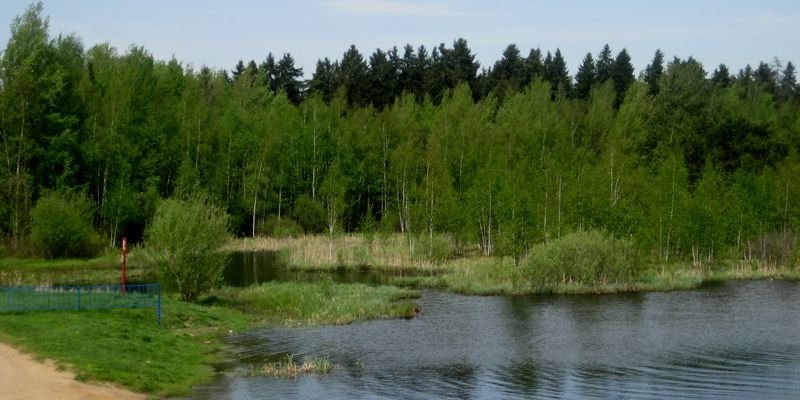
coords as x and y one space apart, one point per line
22 264
96 271
287 367
498 276
325 302
125 346
353 251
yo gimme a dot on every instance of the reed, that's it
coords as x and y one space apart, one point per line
323 302
287 367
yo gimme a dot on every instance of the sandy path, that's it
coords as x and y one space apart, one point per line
21 377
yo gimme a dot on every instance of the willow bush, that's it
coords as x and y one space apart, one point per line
581 257
184 241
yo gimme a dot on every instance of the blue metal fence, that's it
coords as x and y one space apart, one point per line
29 298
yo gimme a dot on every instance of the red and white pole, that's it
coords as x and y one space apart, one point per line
124 261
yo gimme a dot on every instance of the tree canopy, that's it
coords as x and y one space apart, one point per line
411 140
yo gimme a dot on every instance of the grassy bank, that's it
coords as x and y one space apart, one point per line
40 272
498 276
126 347
304 304
581 263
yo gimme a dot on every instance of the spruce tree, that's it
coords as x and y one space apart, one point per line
354 74
323 82
622 74
721 76
584 78
604 62
534 66
788 83
653 72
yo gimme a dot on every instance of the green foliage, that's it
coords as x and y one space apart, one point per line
309 214
298 303
162 361
61 227
498 160
280 228
184 242
582 257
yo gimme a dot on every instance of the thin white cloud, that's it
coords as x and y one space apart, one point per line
392 8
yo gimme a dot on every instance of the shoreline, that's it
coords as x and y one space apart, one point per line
23 377
205 324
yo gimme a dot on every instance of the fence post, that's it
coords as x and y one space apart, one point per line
79 297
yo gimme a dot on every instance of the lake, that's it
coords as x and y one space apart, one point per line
727 340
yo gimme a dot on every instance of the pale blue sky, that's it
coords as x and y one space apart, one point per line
218 33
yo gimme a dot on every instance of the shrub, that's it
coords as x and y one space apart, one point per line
582 257
280 228
184 242
61 227
309 214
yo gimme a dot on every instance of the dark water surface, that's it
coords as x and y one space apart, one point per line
730 340
253 268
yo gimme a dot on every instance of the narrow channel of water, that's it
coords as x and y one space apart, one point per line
730 340
253 268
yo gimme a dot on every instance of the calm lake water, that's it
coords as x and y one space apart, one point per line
253 268
729 340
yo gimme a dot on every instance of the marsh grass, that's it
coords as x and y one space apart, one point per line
287 367
498 276
95 271
304 304
353 251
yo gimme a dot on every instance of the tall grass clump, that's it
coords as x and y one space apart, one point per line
583 258
326 302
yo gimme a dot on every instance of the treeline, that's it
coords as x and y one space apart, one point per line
688 164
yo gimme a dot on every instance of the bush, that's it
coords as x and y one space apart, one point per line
280 228
309 214
184 242
61 227
583 257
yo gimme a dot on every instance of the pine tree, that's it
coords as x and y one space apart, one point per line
354 74
323 82
584 78
766 77
508 73
238 70
604 62
287 78
556 72
622 74
383 80
534 66
721 76
653 72
269 73
788 84
461 62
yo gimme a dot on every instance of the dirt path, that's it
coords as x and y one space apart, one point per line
21 377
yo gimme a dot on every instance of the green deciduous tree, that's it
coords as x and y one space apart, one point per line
184 241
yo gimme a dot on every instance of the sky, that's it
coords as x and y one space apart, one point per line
218 33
